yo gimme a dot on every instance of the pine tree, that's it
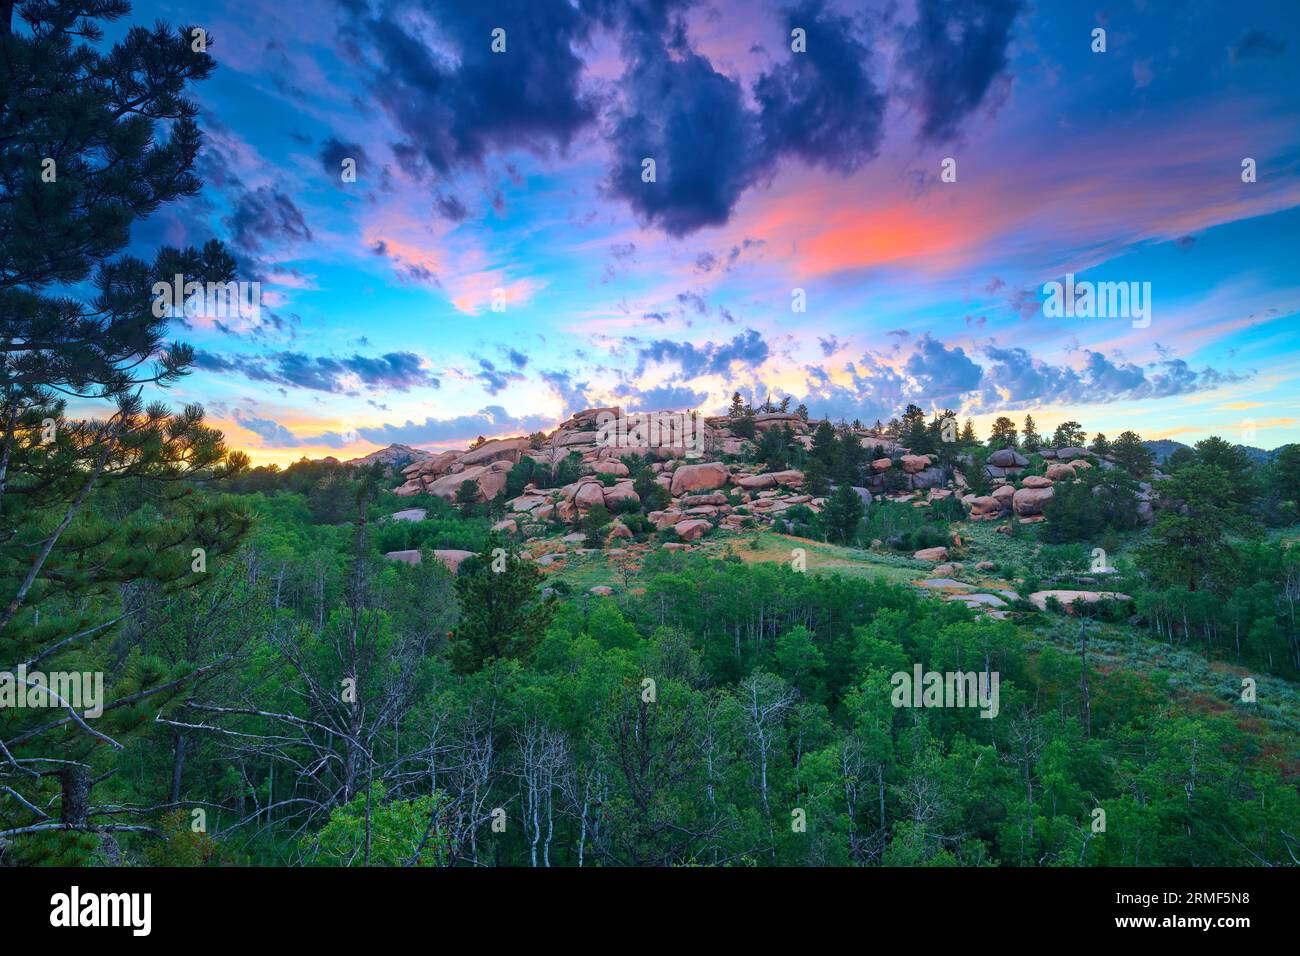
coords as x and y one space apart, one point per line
71 533
842 514
502 615
1030 440
1131 455
968 433
1003 434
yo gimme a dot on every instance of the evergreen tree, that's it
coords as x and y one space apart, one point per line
1069 435
1030 439
1100 446
1003 434
502 615
1131 455
95 114
842 514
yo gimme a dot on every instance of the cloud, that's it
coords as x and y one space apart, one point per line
943 374
265 216
660 398
692 121
491 420
334 151
1255 45
495 380
747 349
1016 379
572 395
822 105
275 435
954 53
457 103
394 371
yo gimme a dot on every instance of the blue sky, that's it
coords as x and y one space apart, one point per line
518 174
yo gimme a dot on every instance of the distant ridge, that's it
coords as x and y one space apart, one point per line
1165 447
397 455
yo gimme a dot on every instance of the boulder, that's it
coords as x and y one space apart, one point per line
602 590
882 464
490 479
498 449
1069 454
1008 458
1058 472
1067 598
936 555
694 501
610 468
692 529
913 464
1003 493
451 557
1029 501
702 477
507 525
588 494
933 477
410 514
1036 481
619 494
986 508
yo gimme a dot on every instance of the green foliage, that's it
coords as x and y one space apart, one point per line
374 830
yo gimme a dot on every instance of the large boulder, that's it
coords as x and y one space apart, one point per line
498 449
610 468
913 464
490 480
1069 454
769 480
986 508
410 514
1067 598
1008 458
702 477
933 477
1030 501
692 529
451 557
1060 472
881 464
620 493
936 555
1037 481
589 493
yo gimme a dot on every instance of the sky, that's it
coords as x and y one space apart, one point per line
500 260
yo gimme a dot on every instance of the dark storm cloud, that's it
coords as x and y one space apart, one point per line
333 152
263 217
822 105
692 121
452 112
953 53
